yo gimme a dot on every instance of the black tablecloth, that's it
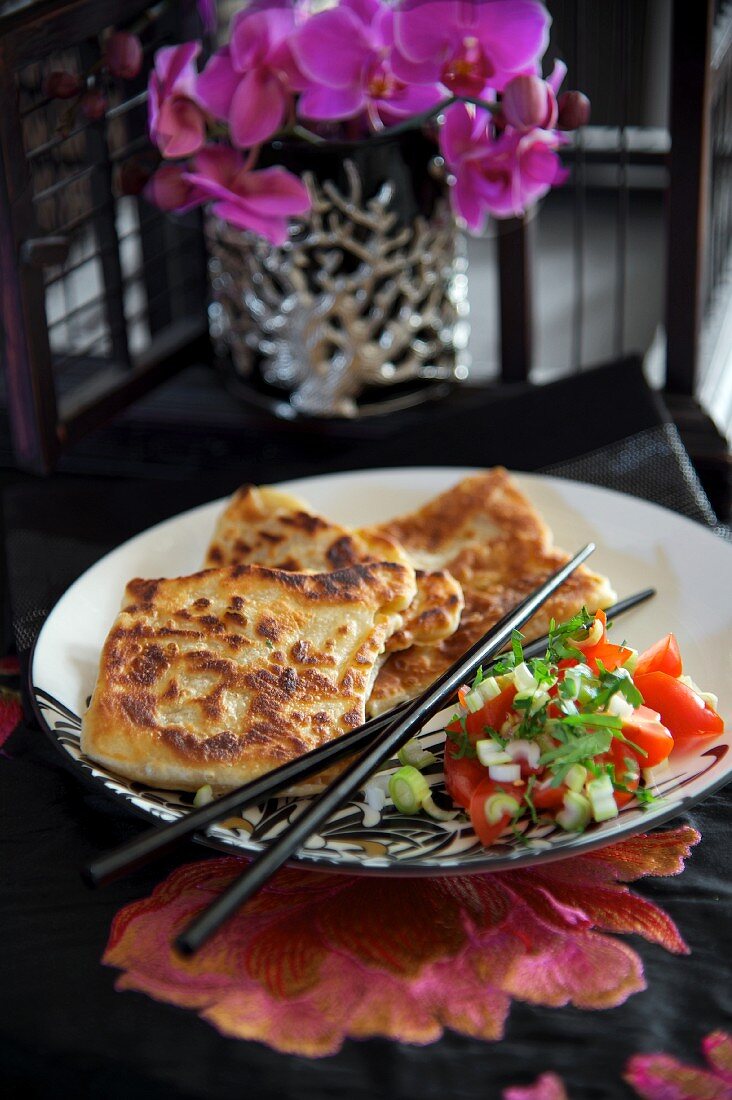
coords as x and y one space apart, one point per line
64 1031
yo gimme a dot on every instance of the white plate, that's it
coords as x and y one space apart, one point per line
639 544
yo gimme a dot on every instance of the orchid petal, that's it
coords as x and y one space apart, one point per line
331 103
414 72
181 127
468 205
515 33
217 83
218 162
557 75
425 32
272 229
169 189
410 101
273 191
332 48
258 108
254 34
174 67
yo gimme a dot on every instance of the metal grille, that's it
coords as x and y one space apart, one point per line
130 270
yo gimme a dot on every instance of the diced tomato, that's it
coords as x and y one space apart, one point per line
681 708
462 774
487 832
645 729
546 797
611 656
664 656
627 769
493 714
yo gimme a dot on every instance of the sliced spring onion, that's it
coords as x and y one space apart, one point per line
618 705
504 773
575 815
203 796
490 752
602 798
630 662
482 693
524 679
496 805
575 777
412 754
474 701
521 749
430 806
408 789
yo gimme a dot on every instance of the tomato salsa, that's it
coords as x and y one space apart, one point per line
571 736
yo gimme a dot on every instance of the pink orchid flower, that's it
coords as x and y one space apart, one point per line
502 175
344 53
261 201
177 123
469 45
249 83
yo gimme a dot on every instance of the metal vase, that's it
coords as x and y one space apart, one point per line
364 309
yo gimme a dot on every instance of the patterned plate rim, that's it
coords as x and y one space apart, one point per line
469 857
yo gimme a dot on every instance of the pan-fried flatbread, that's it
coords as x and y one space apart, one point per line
220 677
491 538
265 526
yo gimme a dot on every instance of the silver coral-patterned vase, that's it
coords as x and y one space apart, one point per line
364 309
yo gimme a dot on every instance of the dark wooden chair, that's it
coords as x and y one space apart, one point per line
55 185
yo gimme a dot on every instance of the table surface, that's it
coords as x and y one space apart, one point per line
65 1031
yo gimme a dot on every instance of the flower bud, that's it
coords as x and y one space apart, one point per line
167 189
574 110
133 174
61 84
527 103
94 104
123 54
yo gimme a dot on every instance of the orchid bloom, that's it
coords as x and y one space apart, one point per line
249 82
501 175
176 122
470 46
261 201
344 54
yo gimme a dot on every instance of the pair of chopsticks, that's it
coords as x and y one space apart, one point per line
385 734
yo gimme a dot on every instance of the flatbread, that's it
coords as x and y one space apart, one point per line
222 676
266 526
489 536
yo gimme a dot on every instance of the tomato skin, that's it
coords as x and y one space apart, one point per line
493 714
462 775
488 833
612 656
645 729
664 656
629 777
683 711
549 798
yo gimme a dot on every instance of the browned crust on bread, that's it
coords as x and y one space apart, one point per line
266 526
221 676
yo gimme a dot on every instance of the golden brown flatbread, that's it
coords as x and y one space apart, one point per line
220 677
266 526
489 536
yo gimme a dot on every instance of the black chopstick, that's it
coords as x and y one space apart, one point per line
161 839
420 710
